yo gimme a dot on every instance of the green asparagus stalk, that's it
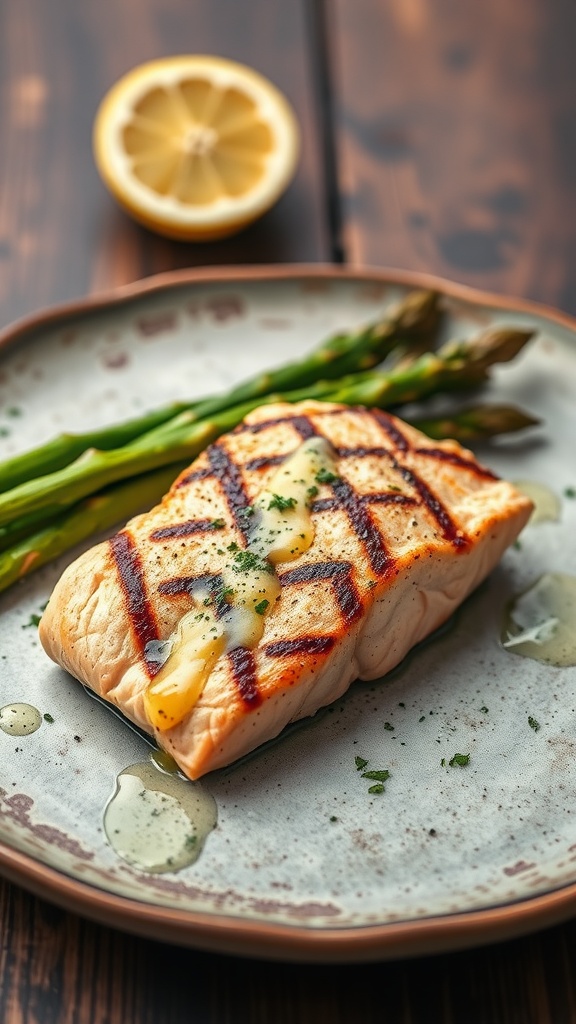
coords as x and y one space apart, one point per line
455 366
477 423
413 321
16 529
93 515
414 318
65 448
465 364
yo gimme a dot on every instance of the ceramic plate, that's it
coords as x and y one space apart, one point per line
304 862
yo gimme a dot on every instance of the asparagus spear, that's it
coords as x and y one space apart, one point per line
62 450
92 515
413 321
454 365
477 423
415 317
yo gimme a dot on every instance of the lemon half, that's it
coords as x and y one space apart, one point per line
195 147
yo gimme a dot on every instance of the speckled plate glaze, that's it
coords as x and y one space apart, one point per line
305 864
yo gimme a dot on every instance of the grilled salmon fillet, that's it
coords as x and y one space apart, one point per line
402 530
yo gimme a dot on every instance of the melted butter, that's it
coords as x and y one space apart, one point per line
546 503
158 822
541 622
19 719
283 530
196 645
282 534
254 591
164 762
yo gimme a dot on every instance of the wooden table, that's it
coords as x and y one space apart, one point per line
437 136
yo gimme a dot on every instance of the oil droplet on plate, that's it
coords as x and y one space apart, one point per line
546 503
19 719
157 821
541 622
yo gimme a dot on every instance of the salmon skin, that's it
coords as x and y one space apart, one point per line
403 530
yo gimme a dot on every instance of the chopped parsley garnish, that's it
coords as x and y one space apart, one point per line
377 776
570 492
312 492
388 726
333 817
281 503
34 620
261 607
248 510
533 723
484 709
217 524
443 762
325 476
48 718
248 561
459 759
233 547
13 411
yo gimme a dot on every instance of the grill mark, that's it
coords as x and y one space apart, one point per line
395 435
457 460
323 504
188 584
340 576
256 428
303 425
243 668
140 611
196 474
300 645
361 452
449 528
213 582
230 479
374 498
388 498
363 525
264 461
185 529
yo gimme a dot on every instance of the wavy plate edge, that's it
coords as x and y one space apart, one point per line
231 935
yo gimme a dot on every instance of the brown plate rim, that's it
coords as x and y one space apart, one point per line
270 940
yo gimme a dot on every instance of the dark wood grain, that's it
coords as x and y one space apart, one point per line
61 235
457 140
57 969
